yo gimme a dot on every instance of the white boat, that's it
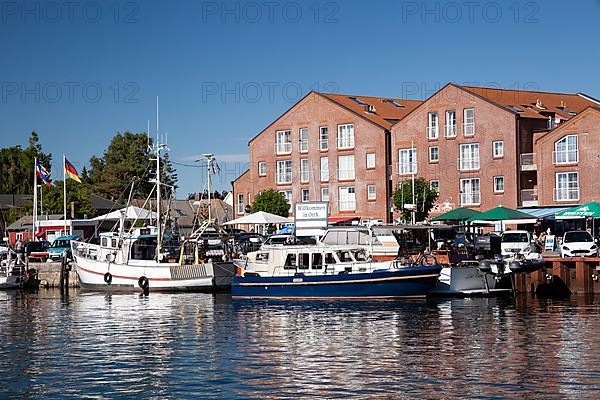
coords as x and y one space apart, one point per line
138 259
379 241
15 275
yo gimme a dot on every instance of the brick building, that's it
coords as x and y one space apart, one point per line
476 145
327 147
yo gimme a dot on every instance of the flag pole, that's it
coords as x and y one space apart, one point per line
64 195
35 206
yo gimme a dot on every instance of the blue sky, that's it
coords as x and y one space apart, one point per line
224 70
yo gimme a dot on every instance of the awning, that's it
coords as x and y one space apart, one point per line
543 212
591 209
339 220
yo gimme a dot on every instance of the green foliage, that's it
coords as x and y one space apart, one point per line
273 202
425 197
16 166
79 193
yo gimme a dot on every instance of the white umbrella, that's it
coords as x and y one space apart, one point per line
260 217
131 213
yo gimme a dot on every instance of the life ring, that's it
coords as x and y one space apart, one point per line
108 278
143 283
428 260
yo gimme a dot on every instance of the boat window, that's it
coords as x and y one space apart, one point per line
104 242
290 261
344 256
143 249
262 257
304 261
114 243
317 261
329 258
360 255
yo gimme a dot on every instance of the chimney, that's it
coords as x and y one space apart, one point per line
72 210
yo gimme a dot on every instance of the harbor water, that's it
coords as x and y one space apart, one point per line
173 346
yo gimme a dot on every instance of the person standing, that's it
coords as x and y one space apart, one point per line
20 250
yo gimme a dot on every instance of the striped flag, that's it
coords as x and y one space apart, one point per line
71 171
43 174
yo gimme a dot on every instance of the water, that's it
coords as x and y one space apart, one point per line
173 346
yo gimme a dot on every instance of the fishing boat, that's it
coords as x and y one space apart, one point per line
137 258
16 275
330 272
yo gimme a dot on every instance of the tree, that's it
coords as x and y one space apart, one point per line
273 202
16 166
79 193
425 197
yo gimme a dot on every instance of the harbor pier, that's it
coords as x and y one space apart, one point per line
562 276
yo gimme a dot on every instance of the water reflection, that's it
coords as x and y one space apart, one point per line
204 346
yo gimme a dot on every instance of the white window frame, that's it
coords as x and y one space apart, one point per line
498 148
568 155
323 138
346 168
347 198
407 161
498 180
473 197
450 123
370 159
324 169
303 192
345 137
304 170
241 206
284 172
288 194
570 192
371 192
433 128
434 185
437 153
472 162
262 168
469 122
325 194
303 140
283 142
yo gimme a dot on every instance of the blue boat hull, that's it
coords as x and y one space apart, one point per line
409 282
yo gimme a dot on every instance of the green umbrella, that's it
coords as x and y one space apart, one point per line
501 213
458 214
591 209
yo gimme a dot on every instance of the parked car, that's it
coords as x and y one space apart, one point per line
37 250
578 244
60 245
514 242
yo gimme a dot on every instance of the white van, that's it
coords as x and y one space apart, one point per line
514 242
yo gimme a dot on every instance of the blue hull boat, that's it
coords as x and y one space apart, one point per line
405 282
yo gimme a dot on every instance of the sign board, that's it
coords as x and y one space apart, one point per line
310 218
549 243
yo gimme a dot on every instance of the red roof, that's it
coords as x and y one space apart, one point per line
535 104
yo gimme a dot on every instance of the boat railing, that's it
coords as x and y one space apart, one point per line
85 250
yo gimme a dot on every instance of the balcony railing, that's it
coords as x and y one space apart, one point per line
468 164
529 197
469 129
432 132
345 142
324 144
283 148
528 162
470 198
566 194
303 145
346 174
406 168
565 157
451 130
283 177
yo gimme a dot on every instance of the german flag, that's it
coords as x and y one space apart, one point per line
71 171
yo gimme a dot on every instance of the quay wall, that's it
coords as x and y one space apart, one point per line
49 274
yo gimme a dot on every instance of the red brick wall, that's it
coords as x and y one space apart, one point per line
313 112
587 127
491 123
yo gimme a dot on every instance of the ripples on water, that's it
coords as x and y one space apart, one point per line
171 346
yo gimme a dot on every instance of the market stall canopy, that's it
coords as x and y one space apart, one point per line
458 214
259 218
504 214
591 209
131 213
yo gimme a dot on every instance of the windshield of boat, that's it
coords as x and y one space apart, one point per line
578 236
349 237
515 237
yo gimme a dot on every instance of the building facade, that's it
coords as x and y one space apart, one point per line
327 147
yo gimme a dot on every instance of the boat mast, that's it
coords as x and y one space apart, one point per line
158 147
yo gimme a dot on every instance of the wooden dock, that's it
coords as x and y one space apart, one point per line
562 276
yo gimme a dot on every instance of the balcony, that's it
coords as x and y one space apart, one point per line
470 199
451 130
529 198
283 148
566 194
565 157
528 162
407 168
469 129
432 132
